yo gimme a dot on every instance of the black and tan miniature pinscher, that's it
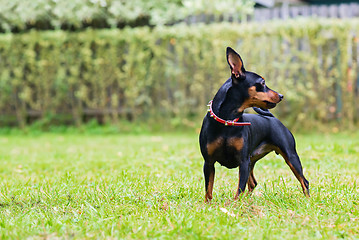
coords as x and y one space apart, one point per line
235 139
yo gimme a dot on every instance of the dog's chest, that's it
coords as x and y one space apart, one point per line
227 151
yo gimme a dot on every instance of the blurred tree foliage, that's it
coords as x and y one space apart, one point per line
20 15
168 74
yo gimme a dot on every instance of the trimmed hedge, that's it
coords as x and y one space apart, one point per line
172 72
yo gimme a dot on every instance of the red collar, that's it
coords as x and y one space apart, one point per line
233 122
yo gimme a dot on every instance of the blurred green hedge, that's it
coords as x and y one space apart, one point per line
21 15
168 74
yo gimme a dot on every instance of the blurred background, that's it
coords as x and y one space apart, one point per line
157 63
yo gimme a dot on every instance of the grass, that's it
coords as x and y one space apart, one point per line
91 186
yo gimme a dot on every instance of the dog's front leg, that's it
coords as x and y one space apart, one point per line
209 171
243 177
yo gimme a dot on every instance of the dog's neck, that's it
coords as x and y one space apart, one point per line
229 109
229 101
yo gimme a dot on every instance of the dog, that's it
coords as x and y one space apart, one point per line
241 142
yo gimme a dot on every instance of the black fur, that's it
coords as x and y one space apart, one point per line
243 146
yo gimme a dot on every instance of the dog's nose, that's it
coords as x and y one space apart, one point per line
280 96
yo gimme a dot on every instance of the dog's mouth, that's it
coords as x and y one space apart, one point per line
270 105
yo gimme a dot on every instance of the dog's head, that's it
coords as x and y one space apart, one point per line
257 93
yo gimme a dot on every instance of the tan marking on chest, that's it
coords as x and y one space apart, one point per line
237 143
213 146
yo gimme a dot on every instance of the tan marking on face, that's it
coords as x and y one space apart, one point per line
257 99
237 143
211 147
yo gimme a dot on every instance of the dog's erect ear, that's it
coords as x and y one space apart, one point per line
235 63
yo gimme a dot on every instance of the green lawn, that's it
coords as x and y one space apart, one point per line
90 186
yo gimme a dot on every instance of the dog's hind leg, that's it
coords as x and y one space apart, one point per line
286 148
252 182
284 144
293 161
261 151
